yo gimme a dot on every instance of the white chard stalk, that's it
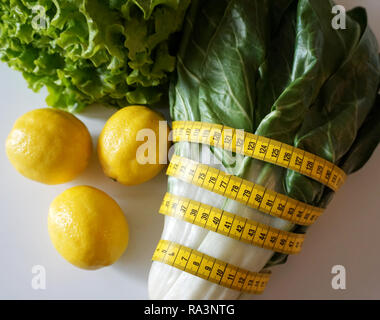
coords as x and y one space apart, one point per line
167 282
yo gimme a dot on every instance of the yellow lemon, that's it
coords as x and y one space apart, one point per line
130 149
87 227
49 146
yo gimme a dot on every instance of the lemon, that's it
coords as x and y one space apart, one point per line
87 227
49 146
125 159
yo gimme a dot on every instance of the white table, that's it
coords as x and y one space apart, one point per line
24 241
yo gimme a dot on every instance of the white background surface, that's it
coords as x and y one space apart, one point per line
347 234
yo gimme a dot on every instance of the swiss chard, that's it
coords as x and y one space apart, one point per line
278 69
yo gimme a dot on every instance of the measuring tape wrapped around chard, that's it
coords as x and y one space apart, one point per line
209 268
231 225
260 148
243 191
227 224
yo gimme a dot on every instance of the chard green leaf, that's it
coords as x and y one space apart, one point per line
285 74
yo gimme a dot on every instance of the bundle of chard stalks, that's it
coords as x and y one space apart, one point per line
276 69
280 70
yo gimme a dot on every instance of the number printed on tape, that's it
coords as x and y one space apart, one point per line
260 148
231 225
243 191
209 268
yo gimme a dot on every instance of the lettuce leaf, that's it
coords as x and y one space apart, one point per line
84 51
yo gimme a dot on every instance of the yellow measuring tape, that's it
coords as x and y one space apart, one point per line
231 225
260 148
209 268
243 191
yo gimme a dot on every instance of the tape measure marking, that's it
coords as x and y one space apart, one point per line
209 268
260 148
243 191
231 225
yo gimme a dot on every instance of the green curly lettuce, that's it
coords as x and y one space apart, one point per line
84 51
